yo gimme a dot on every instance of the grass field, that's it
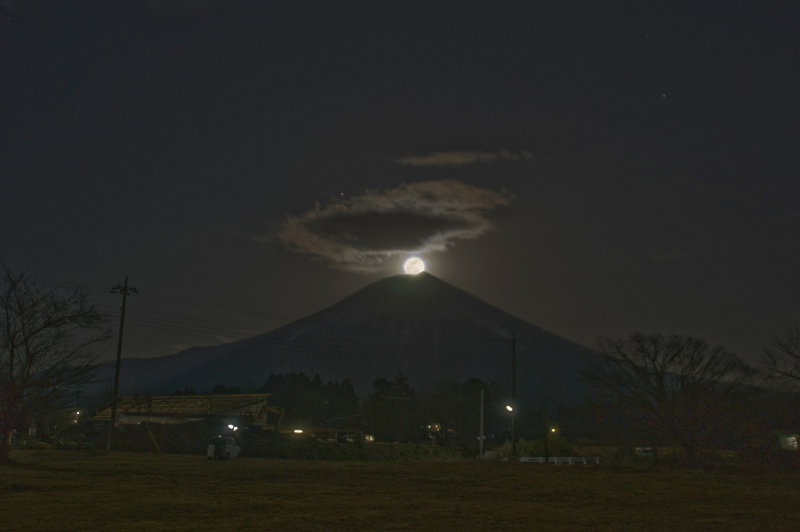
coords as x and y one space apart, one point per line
70 490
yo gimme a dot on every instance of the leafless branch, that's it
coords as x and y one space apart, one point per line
781 359
47 337
675 383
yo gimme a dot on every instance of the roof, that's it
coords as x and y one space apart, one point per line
251 408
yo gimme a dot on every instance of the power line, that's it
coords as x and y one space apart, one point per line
232 329
115 273
214 306
229 293
192 332
216 377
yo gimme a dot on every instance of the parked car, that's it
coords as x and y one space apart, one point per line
228 448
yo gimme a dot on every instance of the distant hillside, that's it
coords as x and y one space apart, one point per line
415 324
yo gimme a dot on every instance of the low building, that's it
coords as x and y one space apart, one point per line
241 410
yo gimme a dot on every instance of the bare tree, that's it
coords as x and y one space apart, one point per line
781 360
674 385
46 336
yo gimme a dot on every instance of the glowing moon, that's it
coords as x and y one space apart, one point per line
413 266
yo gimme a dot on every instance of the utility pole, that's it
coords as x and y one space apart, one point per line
116 290
480 440
546 431
513 391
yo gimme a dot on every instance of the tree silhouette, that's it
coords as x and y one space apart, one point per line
677 386
392 411
46 335
781 360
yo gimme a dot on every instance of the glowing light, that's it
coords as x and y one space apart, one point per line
413 266
298 431
509 408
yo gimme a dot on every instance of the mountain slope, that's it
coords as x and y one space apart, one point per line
415 324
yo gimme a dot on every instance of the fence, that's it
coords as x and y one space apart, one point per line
558 460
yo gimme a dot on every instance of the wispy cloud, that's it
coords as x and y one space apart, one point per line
460 158
360 233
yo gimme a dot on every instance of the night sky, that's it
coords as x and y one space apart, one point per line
594 168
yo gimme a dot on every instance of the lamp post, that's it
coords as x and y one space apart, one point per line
547 433
513 435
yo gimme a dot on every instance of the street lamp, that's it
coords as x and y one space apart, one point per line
513 438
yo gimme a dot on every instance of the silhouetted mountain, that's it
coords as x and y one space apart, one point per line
415 324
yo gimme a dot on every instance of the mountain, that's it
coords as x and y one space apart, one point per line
415 324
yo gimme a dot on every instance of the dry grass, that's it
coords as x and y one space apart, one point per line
52 490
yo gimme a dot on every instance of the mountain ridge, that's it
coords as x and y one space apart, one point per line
417 325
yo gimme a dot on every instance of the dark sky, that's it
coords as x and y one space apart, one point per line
594 168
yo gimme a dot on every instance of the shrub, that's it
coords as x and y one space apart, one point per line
556 446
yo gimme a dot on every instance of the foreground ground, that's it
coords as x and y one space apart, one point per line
69 490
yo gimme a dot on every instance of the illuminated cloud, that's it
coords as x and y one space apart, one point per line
360 233
460 158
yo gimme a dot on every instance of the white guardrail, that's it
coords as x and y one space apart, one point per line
558 460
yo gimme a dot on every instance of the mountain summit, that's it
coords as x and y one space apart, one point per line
418 325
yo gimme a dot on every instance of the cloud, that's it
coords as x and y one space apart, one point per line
360 233
460 158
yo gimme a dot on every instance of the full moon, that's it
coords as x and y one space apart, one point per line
413 266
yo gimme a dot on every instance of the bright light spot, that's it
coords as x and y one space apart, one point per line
230 426
552 430
77 413
508 407
298 431
413 266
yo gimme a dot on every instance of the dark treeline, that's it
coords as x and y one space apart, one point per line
446 414
678 391
649 391
750 418
307 401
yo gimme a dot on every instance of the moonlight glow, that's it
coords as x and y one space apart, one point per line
413 266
